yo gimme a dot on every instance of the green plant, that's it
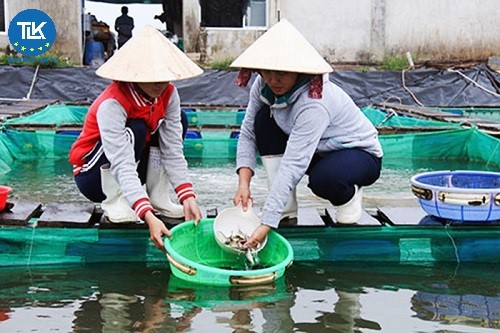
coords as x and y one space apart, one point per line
364 69
394 63
4 59
222 64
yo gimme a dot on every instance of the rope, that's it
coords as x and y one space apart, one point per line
474 82
33 82
395 97
390 114
454 246
27 97
493 153
30 253
408 90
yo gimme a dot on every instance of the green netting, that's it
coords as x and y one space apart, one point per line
75 114
212 145
481 113
381 118
24 246
53 115
447 145
213 117
457 145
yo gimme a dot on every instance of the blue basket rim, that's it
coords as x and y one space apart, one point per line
415 181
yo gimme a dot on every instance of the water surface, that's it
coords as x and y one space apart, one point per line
215 181
312 297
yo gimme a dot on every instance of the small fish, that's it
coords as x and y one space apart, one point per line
236 242
251 256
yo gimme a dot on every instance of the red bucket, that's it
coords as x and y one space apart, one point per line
4 194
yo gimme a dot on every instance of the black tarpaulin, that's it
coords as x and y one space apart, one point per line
425 87
473 87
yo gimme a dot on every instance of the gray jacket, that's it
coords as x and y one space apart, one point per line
331 123
111 117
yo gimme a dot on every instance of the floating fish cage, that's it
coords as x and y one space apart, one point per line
195 256
472 196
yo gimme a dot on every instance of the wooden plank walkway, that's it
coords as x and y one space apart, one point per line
489 126
86 214
23 108
90 215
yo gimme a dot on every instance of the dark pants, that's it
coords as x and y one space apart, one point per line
88 180
332 176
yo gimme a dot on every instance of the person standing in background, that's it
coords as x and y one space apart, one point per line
171 16
124 25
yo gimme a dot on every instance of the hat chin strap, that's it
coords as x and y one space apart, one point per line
316 87
243 77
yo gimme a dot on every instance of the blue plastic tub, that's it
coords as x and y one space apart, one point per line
459 195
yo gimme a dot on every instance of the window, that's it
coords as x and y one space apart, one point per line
256 14
233 13
2 16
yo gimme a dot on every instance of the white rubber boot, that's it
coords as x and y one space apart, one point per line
351 211
157 186
115 207
271 165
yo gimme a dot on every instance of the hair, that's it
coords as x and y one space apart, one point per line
124 10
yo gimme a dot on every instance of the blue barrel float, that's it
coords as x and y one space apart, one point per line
94 53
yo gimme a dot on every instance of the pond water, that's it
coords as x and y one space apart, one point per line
215 181
311 297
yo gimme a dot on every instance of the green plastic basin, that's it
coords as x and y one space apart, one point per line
195 256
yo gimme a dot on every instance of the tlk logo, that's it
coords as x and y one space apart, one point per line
32 32
29 30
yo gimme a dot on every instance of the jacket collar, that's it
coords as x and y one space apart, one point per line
138 97
268 97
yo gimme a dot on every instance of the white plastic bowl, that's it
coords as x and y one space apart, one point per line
235 221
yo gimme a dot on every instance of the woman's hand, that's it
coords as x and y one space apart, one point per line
258 236
243 193
192 210
242 196
157 229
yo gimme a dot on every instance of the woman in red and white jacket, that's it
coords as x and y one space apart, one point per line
133 136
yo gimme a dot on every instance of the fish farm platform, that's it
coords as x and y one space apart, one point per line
63 233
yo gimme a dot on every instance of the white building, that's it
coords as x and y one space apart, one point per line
354 31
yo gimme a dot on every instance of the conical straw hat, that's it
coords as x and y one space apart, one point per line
283 48
148 57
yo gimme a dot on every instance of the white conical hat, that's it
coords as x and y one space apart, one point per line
148 57
283 48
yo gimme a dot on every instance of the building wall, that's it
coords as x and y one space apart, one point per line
444 29
66 15
339 29
342 30
365 30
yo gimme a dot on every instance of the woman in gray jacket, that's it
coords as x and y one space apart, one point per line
301 123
